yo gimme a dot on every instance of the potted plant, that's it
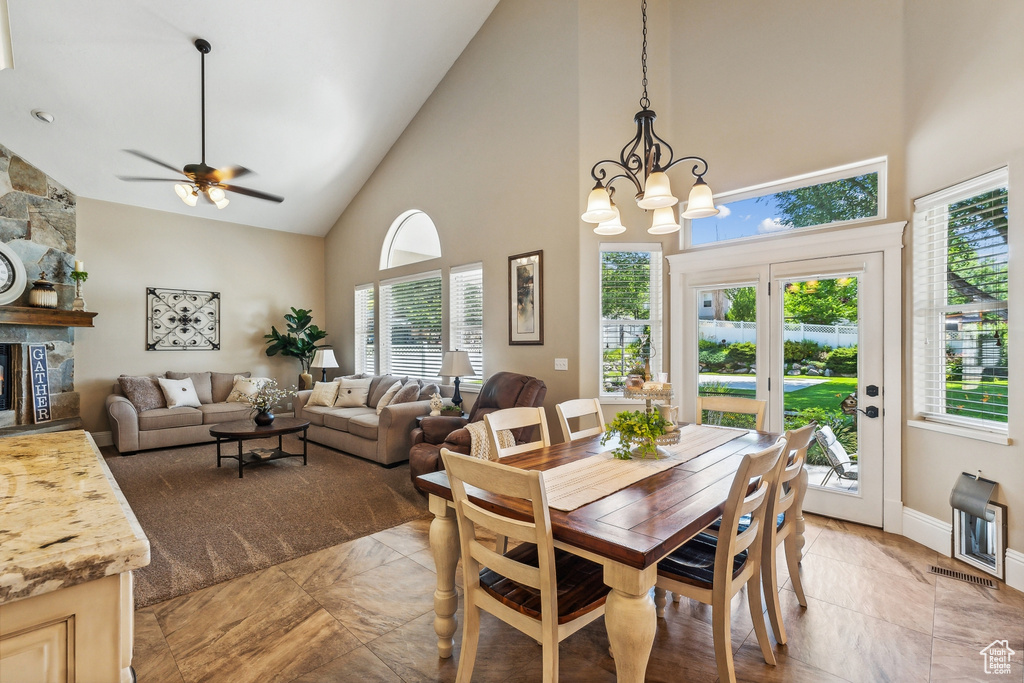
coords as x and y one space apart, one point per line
299 342
637 431
265 400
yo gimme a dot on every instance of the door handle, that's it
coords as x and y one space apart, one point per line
871 411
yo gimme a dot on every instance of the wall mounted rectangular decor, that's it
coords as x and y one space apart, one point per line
182 320
526 298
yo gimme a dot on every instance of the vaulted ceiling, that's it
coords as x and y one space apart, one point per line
308 94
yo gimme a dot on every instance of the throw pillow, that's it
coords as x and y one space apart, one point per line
388 395
143 392
428 390
379 386
179 393
324 394
245 387
352 392
200 380
221 384
407 394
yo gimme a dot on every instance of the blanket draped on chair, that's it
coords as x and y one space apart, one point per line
480 445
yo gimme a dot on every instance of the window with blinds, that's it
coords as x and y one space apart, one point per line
961 261
365 358
466 315
630 312
410 325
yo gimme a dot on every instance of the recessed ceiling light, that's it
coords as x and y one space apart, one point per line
43 116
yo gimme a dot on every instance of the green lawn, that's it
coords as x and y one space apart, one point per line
826 395
992 394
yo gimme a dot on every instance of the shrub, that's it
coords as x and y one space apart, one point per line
743 352
954 369
843 426
843 361
713 359
705 344
799 351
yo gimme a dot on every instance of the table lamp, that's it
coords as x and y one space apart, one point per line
324 358
456 364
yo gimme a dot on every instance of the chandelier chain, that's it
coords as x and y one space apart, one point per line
645 102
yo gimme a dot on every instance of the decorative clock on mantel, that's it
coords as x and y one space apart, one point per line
12 275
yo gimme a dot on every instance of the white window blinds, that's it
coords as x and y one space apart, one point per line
961 259
630 312
410 325
466 315
365 358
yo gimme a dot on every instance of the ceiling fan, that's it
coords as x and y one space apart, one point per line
203 180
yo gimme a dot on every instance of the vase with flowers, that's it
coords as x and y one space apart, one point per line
265 400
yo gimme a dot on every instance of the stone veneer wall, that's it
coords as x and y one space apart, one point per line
37 221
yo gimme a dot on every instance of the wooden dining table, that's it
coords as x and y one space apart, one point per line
627 532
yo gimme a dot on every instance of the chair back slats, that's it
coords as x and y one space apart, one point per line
516 418
499 524
733 404
760 470
798 440
510 569
588 409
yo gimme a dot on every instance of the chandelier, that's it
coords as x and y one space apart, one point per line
646 156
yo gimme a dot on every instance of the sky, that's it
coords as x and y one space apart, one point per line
743 218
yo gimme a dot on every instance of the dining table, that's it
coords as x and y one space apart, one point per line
627 532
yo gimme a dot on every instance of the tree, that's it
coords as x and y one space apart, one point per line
742 304
625 285
822 302
839 200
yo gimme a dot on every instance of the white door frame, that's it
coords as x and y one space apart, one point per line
886 238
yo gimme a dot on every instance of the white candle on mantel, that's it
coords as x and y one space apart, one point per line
80 266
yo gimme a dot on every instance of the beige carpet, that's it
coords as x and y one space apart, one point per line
205 525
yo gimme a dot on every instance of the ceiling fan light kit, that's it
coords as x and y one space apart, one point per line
644 161
202 180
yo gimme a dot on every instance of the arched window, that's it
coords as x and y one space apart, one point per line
411 238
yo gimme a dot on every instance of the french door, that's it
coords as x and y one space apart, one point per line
806 336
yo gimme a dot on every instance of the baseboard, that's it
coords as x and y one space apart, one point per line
1014 566
102 439
928 531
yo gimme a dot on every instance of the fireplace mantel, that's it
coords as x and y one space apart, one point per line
48 317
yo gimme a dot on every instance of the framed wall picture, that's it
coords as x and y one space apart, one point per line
182 320
526 298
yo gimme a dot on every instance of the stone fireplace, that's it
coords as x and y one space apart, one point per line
37 222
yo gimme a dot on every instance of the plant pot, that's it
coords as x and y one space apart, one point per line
305 381
264 418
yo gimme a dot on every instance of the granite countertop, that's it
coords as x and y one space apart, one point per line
63 518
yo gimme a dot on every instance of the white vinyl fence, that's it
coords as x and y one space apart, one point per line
731 332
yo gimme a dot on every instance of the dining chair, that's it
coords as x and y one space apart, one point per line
712 570
588 409
732 404
547 594
516 418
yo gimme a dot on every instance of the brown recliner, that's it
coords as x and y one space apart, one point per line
502 390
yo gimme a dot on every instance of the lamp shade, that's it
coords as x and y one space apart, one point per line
324 358
664 221
221 203
186 194
657 192
456 364
599 206
701 203
612 227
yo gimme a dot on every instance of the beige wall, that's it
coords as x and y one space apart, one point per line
492 159
259 273
965 92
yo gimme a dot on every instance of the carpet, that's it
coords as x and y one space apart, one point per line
205 525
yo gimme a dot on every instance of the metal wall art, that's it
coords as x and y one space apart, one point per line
182 320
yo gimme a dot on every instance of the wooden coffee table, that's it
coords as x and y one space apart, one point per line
244 430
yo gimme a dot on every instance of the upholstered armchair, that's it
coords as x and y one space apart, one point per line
502 390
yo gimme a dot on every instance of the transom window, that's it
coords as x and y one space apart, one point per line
411 238
961 263
849 194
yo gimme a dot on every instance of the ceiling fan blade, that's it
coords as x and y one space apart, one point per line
134 178
252 193
229 172
143 155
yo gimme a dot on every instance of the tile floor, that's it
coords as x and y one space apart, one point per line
362 611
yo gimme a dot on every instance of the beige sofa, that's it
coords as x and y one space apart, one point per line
384 438
132 430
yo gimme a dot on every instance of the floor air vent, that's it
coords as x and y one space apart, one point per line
963 576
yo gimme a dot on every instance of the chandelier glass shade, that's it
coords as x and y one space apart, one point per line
644 161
